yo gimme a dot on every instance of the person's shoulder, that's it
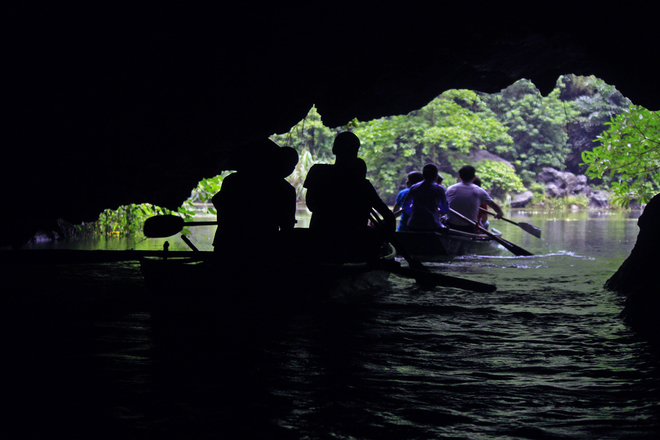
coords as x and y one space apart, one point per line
315 169
317 172
479 189
403 193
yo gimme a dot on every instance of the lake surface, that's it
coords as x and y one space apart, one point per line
546 356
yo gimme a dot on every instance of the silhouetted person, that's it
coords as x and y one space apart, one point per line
465 197
426 201
413 178
255 202
341 199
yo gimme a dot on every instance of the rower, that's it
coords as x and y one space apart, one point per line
465 197
425 202
256 203
341 198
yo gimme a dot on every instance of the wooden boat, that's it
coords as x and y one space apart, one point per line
206 271
448 243
208 282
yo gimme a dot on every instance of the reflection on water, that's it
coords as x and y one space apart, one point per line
545 356
590 232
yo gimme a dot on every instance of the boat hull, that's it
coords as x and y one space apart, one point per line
449 243
208 285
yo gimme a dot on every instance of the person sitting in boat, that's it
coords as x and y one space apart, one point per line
256 202
341 199
465 197
413 178
425 202
482 217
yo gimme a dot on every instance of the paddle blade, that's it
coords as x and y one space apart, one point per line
536 232
162 226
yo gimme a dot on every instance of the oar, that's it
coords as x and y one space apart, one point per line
516 250
431 279
536 232
167 225
420 272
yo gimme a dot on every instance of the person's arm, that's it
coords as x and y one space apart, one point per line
388 216
381 208
399 200
407 203
444 204
497 209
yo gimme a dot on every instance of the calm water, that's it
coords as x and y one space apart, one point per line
544 357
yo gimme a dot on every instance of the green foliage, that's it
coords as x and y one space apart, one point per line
310 135
443 132
536 124
499 179
125 220
297 178
204 192
129 219
313 142
594 101
517 124
630 154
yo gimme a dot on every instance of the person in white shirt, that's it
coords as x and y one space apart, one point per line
465 197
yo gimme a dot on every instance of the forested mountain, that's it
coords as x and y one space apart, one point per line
518 125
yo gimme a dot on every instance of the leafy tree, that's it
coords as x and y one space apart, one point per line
313 142
594 102
297 178
630 153
125 220
310 135
498 178
443 132
536 124
129 219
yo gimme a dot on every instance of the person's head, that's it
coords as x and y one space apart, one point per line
346 144
430 172
467 173
440 179
477 181
413 178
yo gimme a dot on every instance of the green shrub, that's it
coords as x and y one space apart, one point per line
498 178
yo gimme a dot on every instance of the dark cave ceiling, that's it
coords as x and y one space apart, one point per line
118 106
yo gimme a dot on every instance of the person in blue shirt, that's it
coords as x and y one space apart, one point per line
426 201
413 178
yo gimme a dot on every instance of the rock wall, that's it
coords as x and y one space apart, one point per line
563 184
637 278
